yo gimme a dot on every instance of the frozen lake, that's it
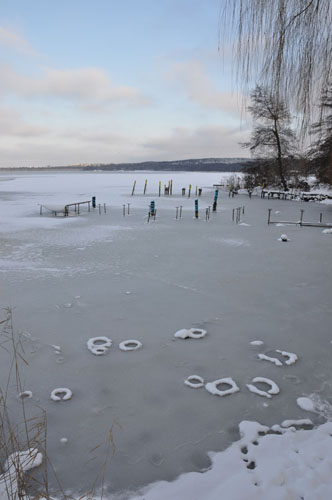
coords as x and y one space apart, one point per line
70 279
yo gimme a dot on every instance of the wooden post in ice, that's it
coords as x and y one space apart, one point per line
177 212
269 215
233 214
93 202
196 208
199 191
128 208
196 191
183 191
301 217
243 210
207 214
214 207
189 191
104 208
159 188
98 208
133 190
145 184
180 215
320 218
41 210
123 210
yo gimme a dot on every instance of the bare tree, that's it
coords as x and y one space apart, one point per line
284 44
321 151
272 138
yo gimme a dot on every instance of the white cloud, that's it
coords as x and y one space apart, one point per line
193 78
12 124
213 141
90 87
12 40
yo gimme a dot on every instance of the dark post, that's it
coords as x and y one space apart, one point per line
214 208
123 210
196 208
269 215
128 208
133 190
177 212
93 202
180 212
320 217
199 191
183 191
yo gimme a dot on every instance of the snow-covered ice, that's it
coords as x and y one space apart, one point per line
206 276
306 404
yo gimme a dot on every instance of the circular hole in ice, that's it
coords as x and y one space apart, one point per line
212 387
194 381
99 345
25 395
130 345
197 333
66 394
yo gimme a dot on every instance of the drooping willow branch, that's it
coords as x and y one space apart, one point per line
285 45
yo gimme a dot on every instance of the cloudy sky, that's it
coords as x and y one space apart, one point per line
87 81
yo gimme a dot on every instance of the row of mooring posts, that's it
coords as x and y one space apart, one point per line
300 222
236 214
168 189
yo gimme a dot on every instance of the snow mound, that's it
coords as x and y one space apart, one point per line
25 395
274 389
302 421
256 342
16 464
283 237
327 231
98 348
212 387
306 404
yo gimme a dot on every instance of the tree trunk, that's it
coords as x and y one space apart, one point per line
279 157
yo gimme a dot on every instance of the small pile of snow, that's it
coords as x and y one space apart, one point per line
276 361
306 404
256 342
327 231
130 345
292 358
283 237
16 464
212 387
64 440
97 348
67 394
194 381
192 333
290 423
274 389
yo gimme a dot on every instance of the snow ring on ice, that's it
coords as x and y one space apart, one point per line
61 390
99 349
274 389
193 333
292 358
212 387
194 381
25 395
130 345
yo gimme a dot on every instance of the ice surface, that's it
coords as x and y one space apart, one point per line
210 276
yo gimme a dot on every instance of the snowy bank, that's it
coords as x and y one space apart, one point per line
263 464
